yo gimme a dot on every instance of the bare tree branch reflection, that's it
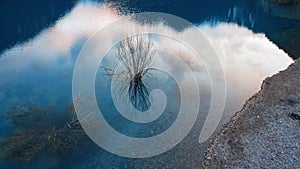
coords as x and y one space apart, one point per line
134 56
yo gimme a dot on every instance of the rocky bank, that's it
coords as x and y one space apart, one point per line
266 132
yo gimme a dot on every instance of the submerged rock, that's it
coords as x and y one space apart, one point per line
264 134
294 116
285 2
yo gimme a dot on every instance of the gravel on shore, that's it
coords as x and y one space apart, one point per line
266 132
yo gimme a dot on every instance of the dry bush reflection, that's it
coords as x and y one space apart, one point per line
134 56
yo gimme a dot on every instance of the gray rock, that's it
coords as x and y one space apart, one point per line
266 132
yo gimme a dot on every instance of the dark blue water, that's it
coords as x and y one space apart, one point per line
22 20
280 23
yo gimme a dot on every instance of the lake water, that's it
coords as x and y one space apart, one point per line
41 71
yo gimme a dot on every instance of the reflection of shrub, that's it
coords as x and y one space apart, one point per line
134 55
41 131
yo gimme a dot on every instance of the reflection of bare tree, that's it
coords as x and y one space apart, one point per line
39 130
134 57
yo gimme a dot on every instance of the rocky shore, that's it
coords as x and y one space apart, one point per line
266 132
